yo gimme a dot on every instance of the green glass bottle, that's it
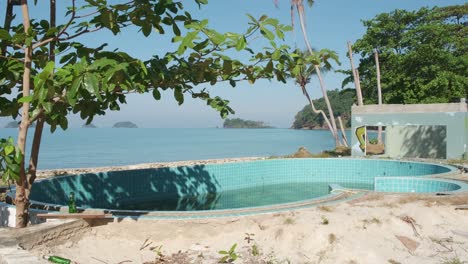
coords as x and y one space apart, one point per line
58 260
71 203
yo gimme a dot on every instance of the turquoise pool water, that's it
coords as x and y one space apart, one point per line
238 185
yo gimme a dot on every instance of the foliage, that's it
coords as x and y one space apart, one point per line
229 256
423 55
89 81
10 160
241 123
341 102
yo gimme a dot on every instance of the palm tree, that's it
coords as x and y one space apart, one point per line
303 78
298 5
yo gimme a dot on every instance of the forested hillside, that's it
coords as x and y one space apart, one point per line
241 123
341 102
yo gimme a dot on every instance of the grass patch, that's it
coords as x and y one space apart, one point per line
325 208
289 221
392 261
454 260
325 220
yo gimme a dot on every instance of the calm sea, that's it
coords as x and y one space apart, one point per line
80 147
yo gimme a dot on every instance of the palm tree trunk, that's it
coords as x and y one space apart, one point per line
22 194
379 93
321 112
322 83
343 134
357 82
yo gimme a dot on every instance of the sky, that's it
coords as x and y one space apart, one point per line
330 24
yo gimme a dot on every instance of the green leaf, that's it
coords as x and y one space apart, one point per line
267 33
92 86
241 43
72 92
178 95
47 107
9 150
176 29
4 35
26 99
146 29
156 94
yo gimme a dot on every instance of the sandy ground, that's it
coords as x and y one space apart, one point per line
364 230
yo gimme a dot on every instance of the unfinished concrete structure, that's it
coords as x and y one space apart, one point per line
416 131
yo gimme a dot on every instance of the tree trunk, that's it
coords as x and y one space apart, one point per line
22 195
7 23
36 145
357 82
343 134
317 111
379 92
322 83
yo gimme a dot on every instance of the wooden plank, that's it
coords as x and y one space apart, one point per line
68 216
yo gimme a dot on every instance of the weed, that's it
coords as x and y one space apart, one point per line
158 251
255 250
392 261
325 220
325 208
249 237
288 221
229 256
331 238
454 260
373 220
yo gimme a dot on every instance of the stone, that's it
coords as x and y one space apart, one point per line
409 243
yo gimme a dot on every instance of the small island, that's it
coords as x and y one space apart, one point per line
125 124
89 126
16 124
241 123
12 124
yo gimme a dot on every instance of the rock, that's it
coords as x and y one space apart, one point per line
302 153
409 243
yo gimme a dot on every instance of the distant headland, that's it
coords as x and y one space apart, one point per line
125 124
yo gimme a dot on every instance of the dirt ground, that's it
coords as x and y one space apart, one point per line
375 228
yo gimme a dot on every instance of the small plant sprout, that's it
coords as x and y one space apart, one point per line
249 237
255 250
325 220
288 221
158 251
229 256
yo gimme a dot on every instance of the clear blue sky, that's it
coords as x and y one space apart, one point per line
331 23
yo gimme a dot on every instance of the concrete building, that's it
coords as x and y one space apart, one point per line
416 131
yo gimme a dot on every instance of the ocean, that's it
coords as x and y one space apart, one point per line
97 147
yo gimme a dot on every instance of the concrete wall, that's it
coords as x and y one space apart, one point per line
416 142
454 117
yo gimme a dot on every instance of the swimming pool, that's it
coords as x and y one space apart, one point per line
243 186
